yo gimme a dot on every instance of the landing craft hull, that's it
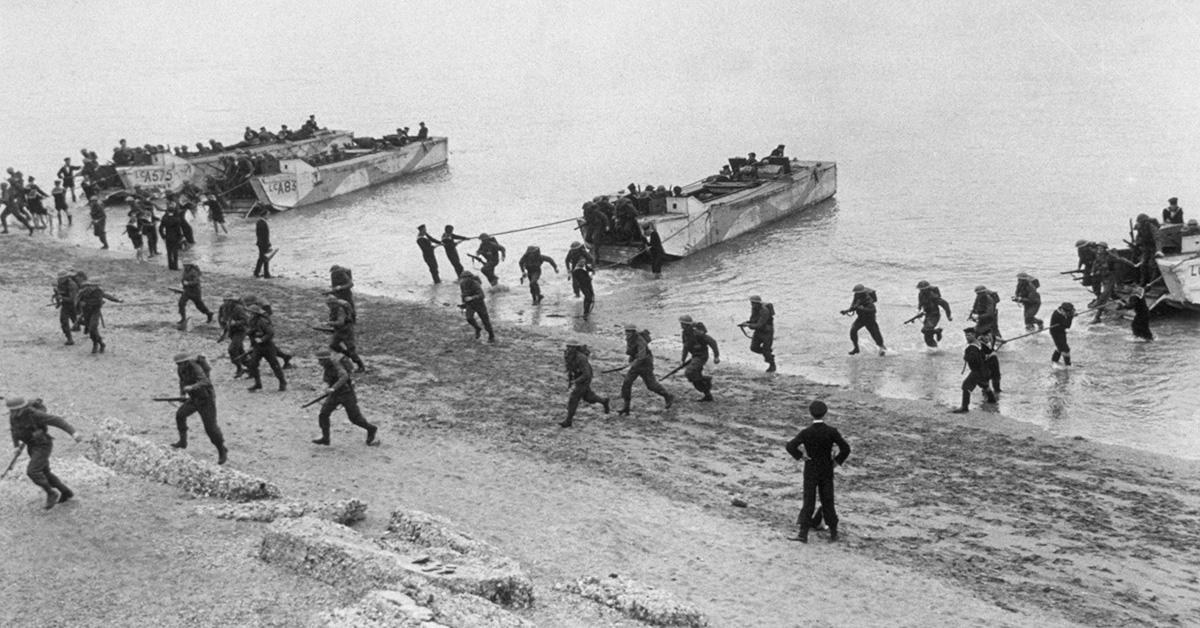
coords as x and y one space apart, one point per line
691 225
299 184
169 172
1181 275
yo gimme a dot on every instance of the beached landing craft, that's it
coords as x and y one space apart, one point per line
169 172
1181 271
718 208
300 182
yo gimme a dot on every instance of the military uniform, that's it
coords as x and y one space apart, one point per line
96 213
531 266
89 301
66 291
863 306
427 244
490 251
931 304
29 425
579 374
474 305
1060 322
262 345
450 242
1027 295
232 317
262 235
342 339
191 292
987 317
194 383
341 285
979 374
762 322
700 343
340 391
581 265
641 365
171 228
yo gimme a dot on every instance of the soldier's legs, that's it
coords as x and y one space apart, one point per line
653 386
183 298
350 403
271 355
237 351
489 271
994 366
627 390
478 307
694 373
173 255
208 414
65 320
854 327
330 404
38 468
825 493
873 329
929 328
185 410
454 261
807 504
535 290
431 262
343 341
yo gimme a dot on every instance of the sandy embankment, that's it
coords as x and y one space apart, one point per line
947 520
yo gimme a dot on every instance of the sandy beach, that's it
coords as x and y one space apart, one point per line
947 520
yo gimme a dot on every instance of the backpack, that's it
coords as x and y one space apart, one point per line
91 295
62 287
191 273
203 362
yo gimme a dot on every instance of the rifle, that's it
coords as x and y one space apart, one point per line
919 315
170 399
742 327
1070 272
619 368
673 371
176 290
12 463
314 401
477 258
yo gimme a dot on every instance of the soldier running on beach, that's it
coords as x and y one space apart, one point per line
29 425
579 381
261 333
88 302
339 391
930 303
979 374
700 343
1060 322
341 285
66 292
473 304
641 365
342 323
232 317
191 292
985 313
489 254
12 207
863 307
580 266
762 323
427 244
195 384
531 269
96 213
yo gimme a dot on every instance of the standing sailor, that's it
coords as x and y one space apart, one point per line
450 242
1172 213
1027 295
531 269
173 234
930 303
262 235
762 321
28 423
195 384
473 304
1060 322
863 306
817 441
427 244
579 378
339 391
641 364
979 374
655 247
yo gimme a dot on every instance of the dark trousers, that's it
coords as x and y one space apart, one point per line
975 379
151 239
762 342
271 353
99 231
16 214
91 322
476 307
38 468
646 373
206 407
347 400
581 393
237 348
535 290
173 247
263 265
1031 319
929 328
1061 348
489 270
192 295
694 372
814 487
581 281
872 328
656 261
66 318
452 256
431 262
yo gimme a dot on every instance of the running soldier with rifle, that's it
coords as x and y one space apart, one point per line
66 292
339 391
191 292
579 381
198 396
762 323
88 302
929 305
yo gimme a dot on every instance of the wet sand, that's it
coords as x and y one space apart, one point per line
946 519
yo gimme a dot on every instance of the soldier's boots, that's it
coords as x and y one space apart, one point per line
371 431
852 352
70 341
182 324
181 443
257 385
222 454
324 440
491 337
989 395
566 423
210 317
51 498
771 364
669 399
966 403
65 495
833 535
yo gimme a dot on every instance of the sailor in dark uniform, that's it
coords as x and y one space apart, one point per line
427 244
978 375
1172 213
814 444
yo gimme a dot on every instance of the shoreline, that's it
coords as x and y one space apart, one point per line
1004 521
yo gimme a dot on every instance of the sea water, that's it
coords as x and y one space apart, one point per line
973 141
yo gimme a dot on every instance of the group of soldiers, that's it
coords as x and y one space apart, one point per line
696 346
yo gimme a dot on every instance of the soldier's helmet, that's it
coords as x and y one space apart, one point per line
685 320
756 299
980 289
921 285
15 403
181 357
860 289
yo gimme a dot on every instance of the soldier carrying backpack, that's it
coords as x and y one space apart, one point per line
191 292
88 301
195 383
66 290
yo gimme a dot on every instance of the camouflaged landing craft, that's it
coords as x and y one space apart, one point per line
303 182
1181 270
716 209
169 172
